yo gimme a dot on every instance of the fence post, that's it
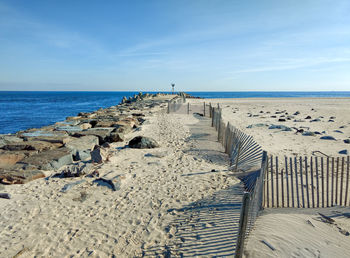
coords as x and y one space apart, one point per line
168 106
204 110
188 108
262 178
210 114
242 225
239 150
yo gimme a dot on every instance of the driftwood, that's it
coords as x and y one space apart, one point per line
268 244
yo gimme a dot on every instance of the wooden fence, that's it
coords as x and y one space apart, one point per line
307 182
245 154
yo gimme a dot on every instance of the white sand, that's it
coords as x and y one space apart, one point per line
275 141
144 217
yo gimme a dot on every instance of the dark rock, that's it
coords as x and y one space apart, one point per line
112 183
347 141
273 116
343 126
5 196
296 113
345 152
332 117
330 120
315 120
328 138
308 117
281 127
116 137
49 160
337 131
98 155
142 142
281 120
299 120
308 133
316 132
76 170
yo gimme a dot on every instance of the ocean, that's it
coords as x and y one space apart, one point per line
22 110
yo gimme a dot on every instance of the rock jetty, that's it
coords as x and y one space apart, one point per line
27 155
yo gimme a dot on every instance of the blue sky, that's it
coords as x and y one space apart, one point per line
199 45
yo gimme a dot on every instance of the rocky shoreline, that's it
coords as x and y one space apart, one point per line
76 144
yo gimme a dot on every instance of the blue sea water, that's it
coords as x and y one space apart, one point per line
21 110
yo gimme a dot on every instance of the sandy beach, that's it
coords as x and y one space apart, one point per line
180 199
159 188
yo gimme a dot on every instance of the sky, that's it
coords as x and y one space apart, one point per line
200 45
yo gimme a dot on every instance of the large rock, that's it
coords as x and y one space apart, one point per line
19 176
31 145
49 160
98 155
142 142
8 159
82 146
101 133
116 137
76 170
6 139
328 138
87 142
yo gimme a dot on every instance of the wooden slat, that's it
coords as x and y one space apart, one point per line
332 193
272 183
347 181
296 180
291 180
317 183
341 181
327 178
301 181
336 182
287 183
307 184
267 185
277 183
322 178
312 183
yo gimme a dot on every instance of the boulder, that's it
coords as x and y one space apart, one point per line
308 133
87 142
19 176
347 141
82 146
68 128
124 129
296 113
49 160
308 117
142 142
344 152
31 145
102 133
116 137
281 120
337 131
281 127
76 170
98 155
328 138
6 139
8 159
